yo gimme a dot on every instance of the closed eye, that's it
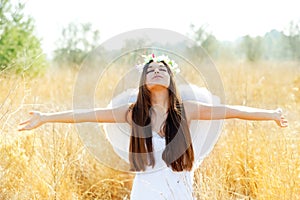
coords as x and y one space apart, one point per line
149 71
161 68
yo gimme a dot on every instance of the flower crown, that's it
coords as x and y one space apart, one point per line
171 63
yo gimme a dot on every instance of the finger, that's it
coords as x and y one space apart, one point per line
284 124
25 122
28 127
21 129
284 118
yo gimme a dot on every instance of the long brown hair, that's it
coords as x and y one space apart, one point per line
179 152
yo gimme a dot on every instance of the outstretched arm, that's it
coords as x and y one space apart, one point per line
118 114
201 111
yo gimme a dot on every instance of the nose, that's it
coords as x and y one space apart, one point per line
156 70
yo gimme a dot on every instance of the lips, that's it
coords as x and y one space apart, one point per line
157 76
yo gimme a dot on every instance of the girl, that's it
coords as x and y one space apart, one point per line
161 150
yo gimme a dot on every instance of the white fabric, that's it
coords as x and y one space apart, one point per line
161 182
204 133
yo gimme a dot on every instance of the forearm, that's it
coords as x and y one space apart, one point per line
249 113
76 116
101 115
202 111
71 116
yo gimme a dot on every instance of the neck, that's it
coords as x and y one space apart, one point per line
160 99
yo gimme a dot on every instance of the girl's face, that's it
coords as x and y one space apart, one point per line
157 75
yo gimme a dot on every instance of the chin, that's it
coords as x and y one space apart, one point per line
157 86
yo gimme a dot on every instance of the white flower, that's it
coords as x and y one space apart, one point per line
147 58
139 67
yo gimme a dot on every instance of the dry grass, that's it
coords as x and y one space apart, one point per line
252 160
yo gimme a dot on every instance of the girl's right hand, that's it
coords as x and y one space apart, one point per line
34 122
280 118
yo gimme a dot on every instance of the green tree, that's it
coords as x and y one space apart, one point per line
294 39
77 40
211 45
205 40
20 49
252 48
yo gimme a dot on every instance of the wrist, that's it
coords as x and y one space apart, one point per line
276 114
44 117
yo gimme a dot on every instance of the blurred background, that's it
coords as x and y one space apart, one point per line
255 46
66 31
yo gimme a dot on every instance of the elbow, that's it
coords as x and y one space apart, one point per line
231 113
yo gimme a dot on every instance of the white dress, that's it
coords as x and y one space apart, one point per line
161 182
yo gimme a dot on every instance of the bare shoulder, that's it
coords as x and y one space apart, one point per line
122 114
196 110
190 108
188 104
129 114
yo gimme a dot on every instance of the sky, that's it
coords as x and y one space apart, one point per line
227 20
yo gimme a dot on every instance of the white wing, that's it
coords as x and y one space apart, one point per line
204 133
119 134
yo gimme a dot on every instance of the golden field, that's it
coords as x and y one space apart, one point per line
252 160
